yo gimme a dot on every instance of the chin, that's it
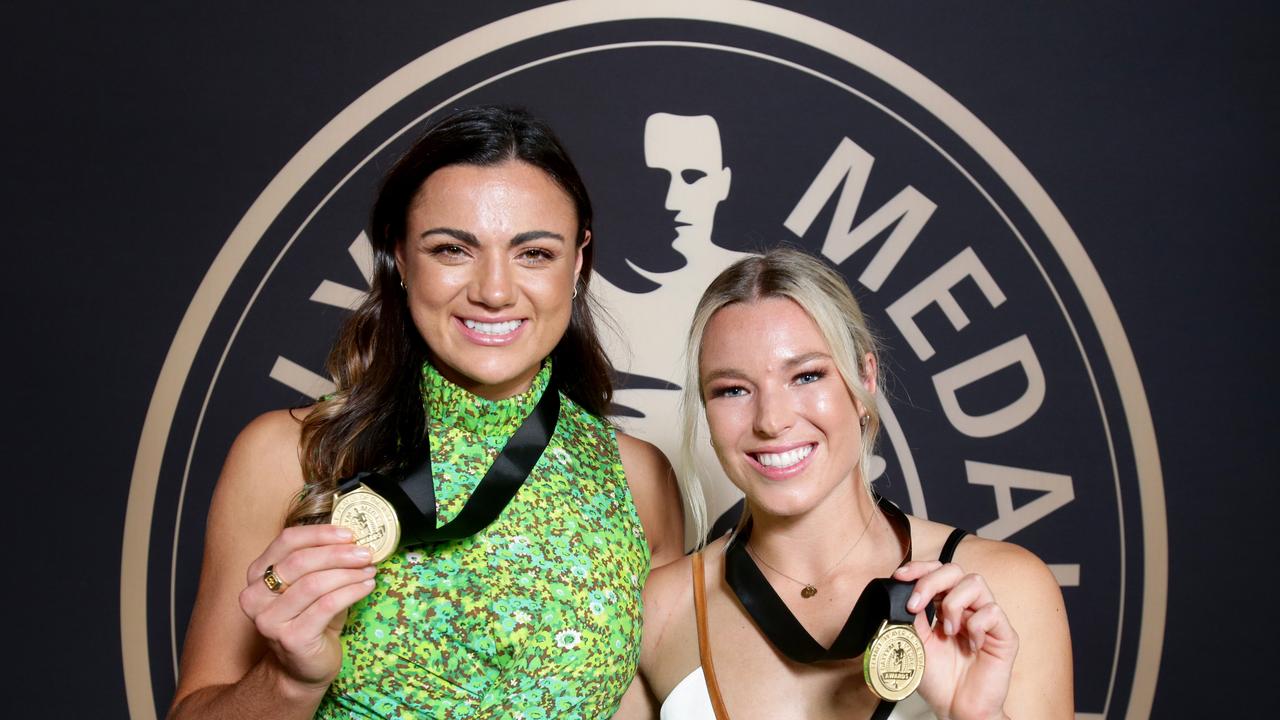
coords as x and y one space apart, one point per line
783 504
479 373
500 376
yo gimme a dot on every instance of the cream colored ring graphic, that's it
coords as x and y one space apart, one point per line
561 16
891 427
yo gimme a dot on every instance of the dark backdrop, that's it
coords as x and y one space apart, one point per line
137 136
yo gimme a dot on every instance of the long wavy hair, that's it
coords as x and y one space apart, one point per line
375 420
826 298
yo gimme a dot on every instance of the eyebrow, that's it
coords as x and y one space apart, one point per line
802 359
470 239
788 364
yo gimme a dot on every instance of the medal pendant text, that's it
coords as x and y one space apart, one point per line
371 519
893 664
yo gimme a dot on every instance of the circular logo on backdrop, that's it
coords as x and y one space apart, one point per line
1013 406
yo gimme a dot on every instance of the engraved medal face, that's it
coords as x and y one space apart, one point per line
371 519
894 662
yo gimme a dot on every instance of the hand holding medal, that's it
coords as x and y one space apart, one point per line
971 644
297 593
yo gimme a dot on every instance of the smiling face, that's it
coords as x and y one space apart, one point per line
489 263
782 421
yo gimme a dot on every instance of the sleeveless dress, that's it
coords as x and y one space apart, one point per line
697 696
538 615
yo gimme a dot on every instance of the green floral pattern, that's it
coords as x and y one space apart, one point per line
535 617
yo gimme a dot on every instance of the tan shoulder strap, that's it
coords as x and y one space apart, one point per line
704 642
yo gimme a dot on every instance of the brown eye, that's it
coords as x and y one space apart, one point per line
537 255
448 250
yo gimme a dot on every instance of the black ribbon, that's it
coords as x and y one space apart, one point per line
882 598
414 495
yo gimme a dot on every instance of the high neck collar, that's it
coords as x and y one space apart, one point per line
451 404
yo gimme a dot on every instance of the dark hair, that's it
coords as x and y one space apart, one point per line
375 421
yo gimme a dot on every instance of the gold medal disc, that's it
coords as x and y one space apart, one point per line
371 519
893 664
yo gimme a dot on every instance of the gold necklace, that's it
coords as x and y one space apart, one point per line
811 589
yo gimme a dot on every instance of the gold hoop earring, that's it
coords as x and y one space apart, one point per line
863 420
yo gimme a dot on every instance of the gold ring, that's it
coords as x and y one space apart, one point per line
274 582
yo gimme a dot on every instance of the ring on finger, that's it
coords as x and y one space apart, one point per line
274 582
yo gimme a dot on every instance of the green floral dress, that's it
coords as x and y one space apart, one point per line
535 617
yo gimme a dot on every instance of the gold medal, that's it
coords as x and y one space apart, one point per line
370 518
894 661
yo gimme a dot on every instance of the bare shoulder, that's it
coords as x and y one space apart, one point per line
643 461
264 457
1001 563
669 588
1023 585
656 495
260 479
1013 572
274 432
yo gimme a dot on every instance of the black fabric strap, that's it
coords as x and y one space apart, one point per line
414 497
883 710
949 547
882 598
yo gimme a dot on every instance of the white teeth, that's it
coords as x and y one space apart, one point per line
786 459
501 328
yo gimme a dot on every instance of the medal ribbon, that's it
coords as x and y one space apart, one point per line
414 495
882 598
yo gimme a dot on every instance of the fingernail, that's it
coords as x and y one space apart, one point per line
973 645
343 533
913 602
368 583
370 570
946 627
361 553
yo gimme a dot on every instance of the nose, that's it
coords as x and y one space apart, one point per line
774 414
677 192
494 284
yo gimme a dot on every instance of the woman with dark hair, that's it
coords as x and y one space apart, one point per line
819 605
471 376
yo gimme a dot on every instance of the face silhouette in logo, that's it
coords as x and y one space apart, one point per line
648 348
688 149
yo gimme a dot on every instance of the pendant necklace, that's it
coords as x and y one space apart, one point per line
810 589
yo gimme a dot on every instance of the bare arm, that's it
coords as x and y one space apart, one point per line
1042 684
664 596
638 703
657 498
250 653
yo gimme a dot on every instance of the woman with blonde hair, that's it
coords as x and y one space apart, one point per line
819 604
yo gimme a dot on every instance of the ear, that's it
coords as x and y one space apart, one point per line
869 373
868 380
399 255
577 262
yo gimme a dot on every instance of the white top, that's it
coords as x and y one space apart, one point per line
689 700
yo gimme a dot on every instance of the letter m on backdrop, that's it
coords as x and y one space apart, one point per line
907 212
